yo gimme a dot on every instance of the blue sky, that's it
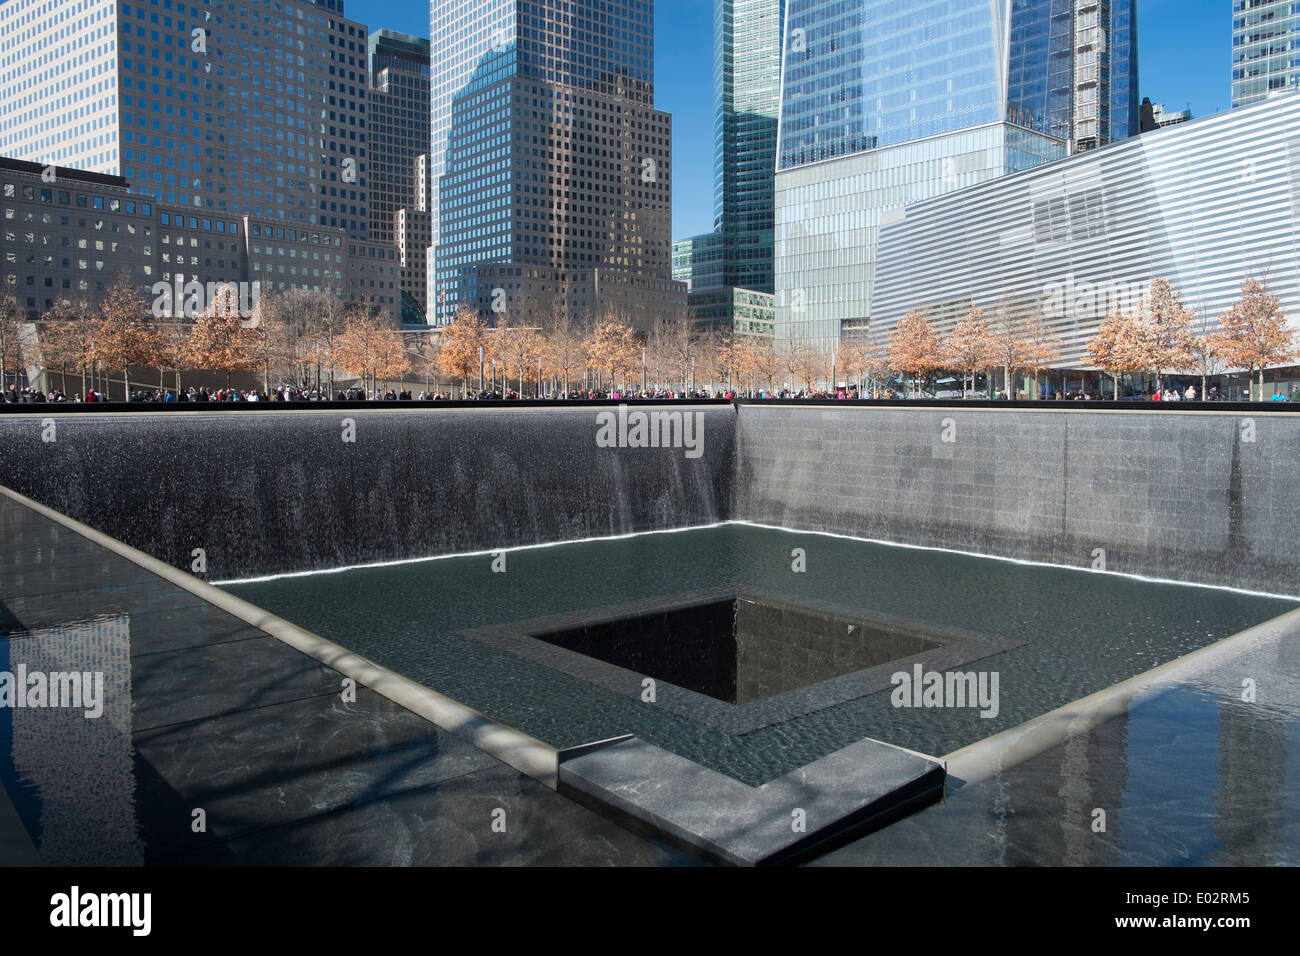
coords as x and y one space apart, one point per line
1184 51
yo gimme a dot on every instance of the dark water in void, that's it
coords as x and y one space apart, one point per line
1081 632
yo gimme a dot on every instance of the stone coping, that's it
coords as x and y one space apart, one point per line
808 811
524 753
987 758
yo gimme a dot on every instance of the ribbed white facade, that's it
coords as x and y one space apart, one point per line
1203 204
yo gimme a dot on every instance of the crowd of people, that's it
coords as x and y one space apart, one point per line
290 393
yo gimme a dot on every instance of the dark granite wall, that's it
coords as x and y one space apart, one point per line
270 492
1211 497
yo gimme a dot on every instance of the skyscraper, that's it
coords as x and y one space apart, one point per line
737 255
1265 60
550 166
249 114
746 100
883 106
236 106
399 200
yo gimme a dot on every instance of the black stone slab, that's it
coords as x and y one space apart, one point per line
843 795
205 682
493 817
260 768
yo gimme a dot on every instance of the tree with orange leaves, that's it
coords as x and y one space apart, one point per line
970 347
371 349
518 346
851 358
562 347
458 352
1163 328
1255 335
613 348
766 361
11 351
219 340
1116 349
1206 352
1042 348
67 340
916 348
126 334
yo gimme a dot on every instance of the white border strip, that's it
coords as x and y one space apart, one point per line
526 754
989 757
767 527
1023 561
467 554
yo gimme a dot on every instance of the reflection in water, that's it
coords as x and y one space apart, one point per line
71 776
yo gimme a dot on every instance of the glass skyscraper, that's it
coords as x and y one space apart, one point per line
1265 49
737 255
885 104
399 157
550 167
746 100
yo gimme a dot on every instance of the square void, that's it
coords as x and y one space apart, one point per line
740 649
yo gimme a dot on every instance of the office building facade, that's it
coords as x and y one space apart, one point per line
1203 204
234 106
1265 49
67 235
398 196
234 110
882 106
733 264
550 167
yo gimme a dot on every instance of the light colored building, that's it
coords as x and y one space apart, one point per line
237 111
551 168
1203 204
878 115
1163 117
238 107
1265 55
